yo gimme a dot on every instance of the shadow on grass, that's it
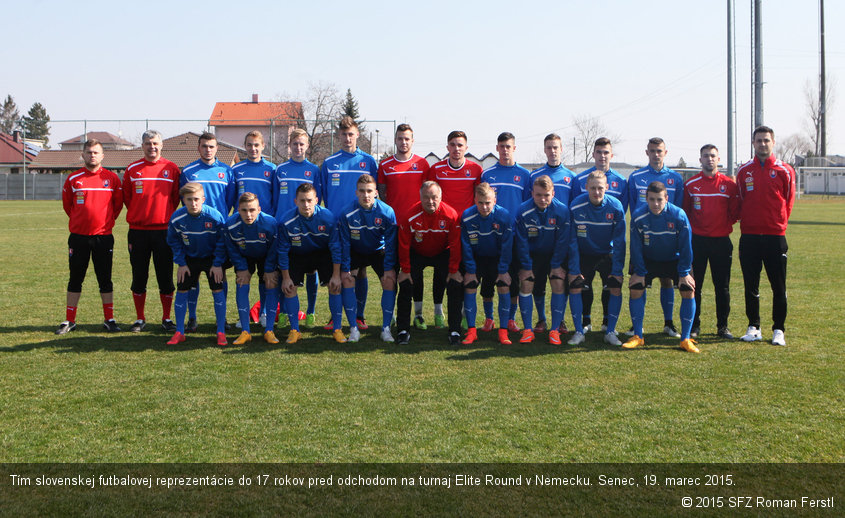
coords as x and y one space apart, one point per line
816 222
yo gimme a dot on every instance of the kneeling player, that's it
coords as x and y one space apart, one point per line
598 222
542 244
250 240
195 234
661 246
308 241
368 238
486 247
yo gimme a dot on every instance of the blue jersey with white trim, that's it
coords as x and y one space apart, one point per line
662 237
562 178
217 183
257 178
196 236
367 232
489 238
638 184
289 176
338 179
511 185
256 241
300 235
543 232
599 229
617 186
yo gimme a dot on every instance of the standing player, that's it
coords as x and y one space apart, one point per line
255 175
598 222
250 236
486 247
564 182
400 178
767 189
617 186
336 187
92 199
151 195
290 174
711 202
458 177
195 234
219 192
511 183
308 241
430 235
368 238
661 246
543 242
638 183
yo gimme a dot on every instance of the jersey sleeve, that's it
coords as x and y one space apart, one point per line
320 184
334 240
231 193
684 245
117 196
220 244
174 240
455 245
618 240
574 253
67 196
390 242
679 192
506 256
282 247
562 239
521 237
734 201
790 189
466 252
637 261
235 255
345 243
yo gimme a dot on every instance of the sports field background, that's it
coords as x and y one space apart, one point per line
93 397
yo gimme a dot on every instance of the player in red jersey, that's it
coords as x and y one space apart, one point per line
430 235
92 199
711 201
151 194
767 190
399 180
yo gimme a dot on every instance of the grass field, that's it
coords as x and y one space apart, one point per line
92 397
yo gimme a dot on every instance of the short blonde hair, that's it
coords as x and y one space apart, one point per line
484 189
254 134
191 188
544 182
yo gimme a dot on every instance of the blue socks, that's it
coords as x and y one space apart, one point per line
193 297
687 314
488 308
388 302
576 305
558 306
242 301
220 310
349 305
470 308
614 307
525 308
336 309
271 303
504 310
291 307
180 307
667 302
637 309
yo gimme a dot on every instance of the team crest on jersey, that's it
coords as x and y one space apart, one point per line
516 179
670 226
495 226
670 181
208 224
362 164
414 167
307 174
221 175
106 182
321 228
772 174
377 221
467 173
609 216
552 221
614 184
442 224
267 174
262 235
721 188
566 179
166 174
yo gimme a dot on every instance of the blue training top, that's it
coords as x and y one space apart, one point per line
217 183
617 186
338 178
664 237
367 232
300 235
487 239
289 176
197 236
543 232
599 229
256 241
511 185
257 178
638 184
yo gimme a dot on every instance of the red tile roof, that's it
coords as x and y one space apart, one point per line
11 152
103 136
254 114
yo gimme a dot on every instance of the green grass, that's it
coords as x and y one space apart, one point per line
92 397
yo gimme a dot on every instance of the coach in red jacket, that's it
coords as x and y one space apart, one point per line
430 235
767 190
92 199
711 201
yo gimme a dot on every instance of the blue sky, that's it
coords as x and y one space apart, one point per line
648 68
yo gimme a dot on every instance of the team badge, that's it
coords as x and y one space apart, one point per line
262 235
467 173
70 251
221 175
267 174
495 226
609 216
566 179
670 181
321 228
442 224
721 188
772 174
516 179
414 167
552 221
362 165
307 174
614 184
670 226
106 182
166 174
208 224
377 221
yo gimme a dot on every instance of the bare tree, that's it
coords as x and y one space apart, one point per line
587 130
789 147
811 98
321 105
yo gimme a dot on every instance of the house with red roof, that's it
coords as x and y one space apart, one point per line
15 154
275 120
110 141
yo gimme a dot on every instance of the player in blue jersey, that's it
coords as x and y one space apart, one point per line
367 230
308 240
336 186
598 224
290 174
250 239
543 241
219 187
661 246
511 183
617 186
195 234
638 183
564 181
486 249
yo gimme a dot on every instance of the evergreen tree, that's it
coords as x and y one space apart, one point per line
9 115
350 108
36 123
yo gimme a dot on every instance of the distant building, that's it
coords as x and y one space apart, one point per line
109 141
13 152
275 120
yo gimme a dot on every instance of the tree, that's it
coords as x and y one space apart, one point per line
813 125
789 147
321 106
9 116
587 130
350 106
35 123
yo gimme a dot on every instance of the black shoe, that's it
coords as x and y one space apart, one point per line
403 338
191 326
111 326
229 327
168 325
66 327
669 329
455 339
694 332
137 326
725 333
